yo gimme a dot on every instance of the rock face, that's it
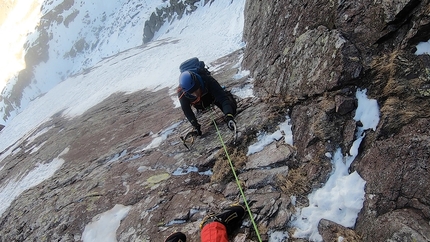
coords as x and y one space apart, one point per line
306 59
108 161
313 55
175 9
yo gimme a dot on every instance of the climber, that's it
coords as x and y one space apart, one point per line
201 91
215 228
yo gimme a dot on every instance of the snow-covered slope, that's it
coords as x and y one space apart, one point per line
72 37
152 66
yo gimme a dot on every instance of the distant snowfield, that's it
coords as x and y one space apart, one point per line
110 28
152 67
107 28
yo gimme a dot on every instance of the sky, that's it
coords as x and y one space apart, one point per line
201 34
21 21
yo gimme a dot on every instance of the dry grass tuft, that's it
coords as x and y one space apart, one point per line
295 183
222 170
384 68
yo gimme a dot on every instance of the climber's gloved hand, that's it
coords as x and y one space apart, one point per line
198 130
231 124
196 127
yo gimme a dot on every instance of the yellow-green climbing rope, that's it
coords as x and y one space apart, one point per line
237 182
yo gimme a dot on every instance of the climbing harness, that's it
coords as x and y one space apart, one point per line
237 179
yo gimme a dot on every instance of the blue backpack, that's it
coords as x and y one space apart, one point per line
195 65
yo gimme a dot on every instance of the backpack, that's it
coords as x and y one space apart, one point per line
195 65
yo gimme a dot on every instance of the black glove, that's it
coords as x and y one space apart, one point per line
198 131
231 124
196 127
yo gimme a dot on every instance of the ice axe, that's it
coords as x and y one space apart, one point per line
188 139
231 124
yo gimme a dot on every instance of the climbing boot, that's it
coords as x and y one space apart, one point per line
230 217
176 237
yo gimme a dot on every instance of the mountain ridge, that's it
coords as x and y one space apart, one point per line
67 56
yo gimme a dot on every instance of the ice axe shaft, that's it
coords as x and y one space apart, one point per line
235 133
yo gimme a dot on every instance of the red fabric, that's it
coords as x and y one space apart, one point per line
214 232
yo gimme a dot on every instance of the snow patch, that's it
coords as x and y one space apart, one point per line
162 136
341 198
423 48
244 92
264 139
103 226
278 236
16 186
181 171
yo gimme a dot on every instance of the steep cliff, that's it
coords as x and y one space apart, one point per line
310 54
